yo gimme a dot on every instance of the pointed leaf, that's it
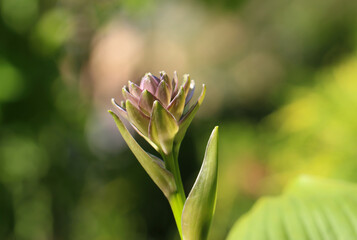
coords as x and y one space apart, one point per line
146 101
187 119
163 93
137 118
200 204
163 127
177 104
152 165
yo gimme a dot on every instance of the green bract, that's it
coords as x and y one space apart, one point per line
158 108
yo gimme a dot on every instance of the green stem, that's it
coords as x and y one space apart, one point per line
178 198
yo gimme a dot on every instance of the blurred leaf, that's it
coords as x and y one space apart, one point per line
200 204
311 208
153 166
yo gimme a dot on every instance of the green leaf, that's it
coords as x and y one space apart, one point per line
163 127
152 165
200 204
310 208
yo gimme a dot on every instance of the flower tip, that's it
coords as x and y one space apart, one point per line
192 84
114 103
156 102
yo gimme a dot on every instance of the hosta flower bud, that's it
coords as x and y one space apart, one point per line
158 108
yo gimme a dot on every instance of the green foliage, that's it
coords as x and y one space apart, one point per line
200 204
310 208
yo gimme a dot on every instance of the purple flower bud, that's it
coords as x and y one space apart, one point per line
155 108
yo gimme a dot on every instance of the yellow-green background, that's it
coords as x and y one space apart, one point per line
281 82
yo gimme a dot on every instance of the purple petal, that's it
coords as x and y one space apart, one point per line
177 104
191 90
154 78
129 96
174 84
120 108
164 77
163 94
149 84
134 89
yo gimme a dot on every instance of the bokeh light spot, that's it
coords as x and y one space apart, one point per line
11 82
19 14
21 159
53 30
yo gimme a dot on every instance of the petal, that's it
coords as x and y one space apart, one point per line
154 78
120 108
177 104
163 128
163 93
137 118
134 89
187 119
128 96
174 84
186 83
146 101
163 76
148 83
191 90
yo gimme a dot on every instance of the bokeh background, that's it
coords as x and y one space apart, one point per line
281 82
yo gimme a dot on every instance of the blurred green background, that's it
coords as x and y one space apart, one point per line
281 82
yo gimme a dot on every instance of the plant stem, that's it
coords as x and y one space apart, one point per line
177 199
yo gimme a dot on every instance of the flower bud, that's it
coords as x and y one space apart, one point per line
158 108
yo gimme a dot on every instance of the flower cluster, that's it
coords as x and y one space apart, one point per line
158 107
